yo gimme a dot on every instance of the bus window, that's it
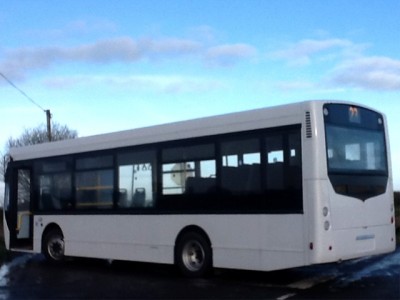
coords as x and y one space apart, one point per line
54 185
351 150
24 204
55 191
94 187
137 179
95 162
24 190
283 171
275 162
241 166
356 151
189 170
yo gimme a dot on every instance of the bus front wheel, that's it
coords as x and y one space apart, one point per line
53 246
193 255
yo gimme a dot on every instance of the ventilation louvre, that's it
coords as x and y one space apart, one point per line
308 125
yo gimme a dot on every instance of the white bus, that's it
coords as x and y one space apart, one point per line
265 189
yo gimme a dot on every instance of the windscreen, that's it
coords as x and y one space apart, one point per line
356 150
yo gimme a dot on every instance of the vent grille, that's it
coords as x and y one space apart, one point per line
308 125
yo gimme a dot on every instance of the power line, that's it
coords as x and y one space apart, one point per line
21 91
46 111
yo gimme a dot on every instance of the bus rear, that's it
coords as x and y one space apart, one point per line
357 214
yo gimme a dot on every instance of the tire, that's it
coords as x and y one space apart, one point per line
193 255
53 246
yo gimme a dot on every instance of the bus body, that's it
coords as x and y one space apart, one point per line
266 189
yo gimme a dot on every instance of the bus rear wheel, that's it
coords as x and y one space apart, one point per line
54 246
193 255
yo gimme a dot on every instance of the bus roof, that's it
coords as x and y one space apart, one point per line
240 121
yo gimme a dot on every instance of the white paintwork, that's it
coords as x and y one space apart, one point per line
257 242
248 120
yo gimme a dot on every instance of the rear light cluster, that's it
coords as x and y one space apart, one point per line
325 213
327 226
392 219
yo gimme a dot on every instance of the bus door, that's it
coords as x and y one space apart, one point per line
21 230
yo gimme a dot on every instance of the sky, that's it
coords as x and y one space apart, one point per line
104 66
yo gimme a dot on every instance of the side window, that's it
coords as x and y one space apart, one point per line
241 172
295 176
54 185
94 182
55 191
283 170
24 190
275 162
7 196
189 170
137 179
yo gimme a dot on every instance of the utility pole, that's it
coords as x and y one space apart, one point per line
47 111
48 117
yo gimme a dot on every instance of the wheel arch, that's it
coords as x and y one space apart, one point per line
50 227
53 246
191 228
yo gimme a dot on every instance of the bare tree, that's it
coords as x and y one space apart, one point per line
37 135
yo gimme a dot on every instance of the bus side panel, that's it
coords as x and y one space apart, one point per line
119 237
263 242
256 242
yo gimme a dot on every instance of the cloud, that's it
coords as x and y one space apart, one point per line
204 33
369 73
165 84
73 29
300 53
350 68
17 63
170 47
294 85
121 49
227 55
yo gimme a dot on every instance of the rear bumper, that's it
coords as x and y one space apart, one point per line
358 242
